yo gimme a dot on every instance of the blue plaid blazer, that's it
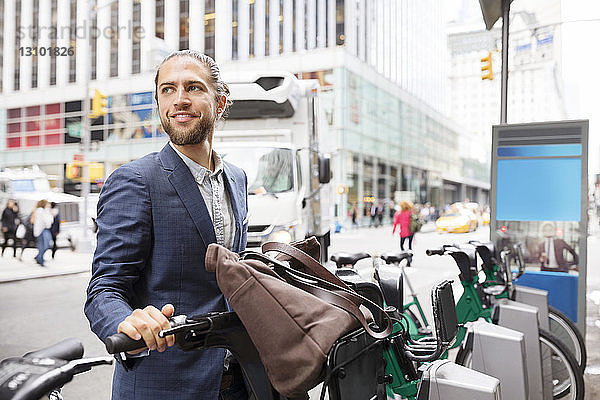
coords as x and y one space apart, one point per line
153 231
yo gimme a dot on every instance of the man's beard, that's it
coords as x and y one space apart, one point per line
193 135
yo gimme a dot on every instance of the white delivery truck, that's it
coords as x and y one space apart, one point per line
29 185
277 132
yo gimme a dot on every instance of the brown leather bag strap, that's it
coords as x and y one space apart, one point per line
338 300
310 263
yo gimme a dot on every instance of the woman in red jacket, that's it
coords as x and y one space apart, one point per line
402 218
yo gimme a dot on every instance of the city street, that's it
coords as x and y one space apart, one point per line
39 312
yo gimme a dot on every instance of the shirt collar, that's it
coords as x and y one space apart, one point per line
198 171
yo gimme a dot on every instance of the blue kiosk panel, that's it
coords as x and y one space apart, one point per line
539 186
538 189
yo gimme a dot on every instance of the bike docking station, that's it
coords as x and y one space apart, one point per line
524 318
445 380
490 343
512 344
539 198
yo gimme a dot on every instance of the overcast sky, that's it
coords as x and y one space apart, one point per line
581 59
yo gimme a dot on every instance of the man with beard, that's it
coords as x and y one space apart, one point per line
156 217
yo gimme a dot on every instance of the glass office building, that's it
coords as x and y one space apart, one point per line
379 64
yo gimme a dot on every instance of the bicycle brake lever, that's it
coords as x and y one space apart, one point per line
202 325
85 364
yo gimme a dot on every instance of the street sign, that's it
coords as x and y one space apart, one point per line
539 199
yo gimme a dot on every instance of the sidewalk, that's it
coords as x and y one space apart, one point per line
65 262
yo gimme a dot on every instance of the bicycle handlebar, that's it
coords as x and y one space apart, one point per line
120 343
435 252
37 373
68 350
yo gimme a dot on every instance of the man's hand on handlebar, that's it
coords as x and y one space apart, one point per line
145 324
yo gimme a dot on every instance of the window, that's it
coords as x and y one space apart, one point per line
73 42
234 30
184 24
136 37
339 22
251 29
209 28
53 23
269 170
267 26
280 19
160 19
114 39
17 45
34 43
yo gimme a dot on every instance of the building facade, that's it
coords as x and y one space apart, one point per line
535 84
384 96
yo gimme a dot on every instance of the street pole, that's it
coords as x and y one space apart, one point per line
504 90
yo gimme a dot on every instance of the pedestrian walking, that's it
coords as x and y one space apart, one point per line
354 215
402 221
372 214
10 221
55 227
379 215
392 210
41 219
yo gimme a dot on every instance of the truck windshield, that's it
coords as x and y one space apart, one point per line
269 170
30 185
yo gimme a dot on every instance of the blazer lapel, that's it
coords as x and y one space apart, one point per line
186 187
236 203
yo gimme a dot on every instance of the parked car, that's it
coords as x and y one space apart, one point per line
471 210
453 222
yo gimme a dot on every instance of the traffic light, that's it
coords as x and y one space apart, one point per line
99 104
487 67
73 170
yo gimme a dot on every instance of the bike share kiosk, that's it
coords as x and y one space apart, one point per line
539 199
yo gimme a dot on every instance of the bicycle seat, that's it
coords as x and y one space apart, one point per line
397 257
390 280
486 252
347 259
365 288
470 251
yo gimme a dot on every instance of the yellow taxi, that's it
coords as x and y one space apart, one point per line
454 223
471 210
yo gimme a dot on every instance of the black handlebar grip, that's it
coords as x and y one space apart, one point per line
433 252
120 343
68 350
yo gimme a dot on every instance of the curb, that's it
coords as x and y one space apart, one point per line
42 273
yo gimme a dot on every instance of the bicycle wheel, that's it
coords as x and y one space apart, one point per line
560 368
566 331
